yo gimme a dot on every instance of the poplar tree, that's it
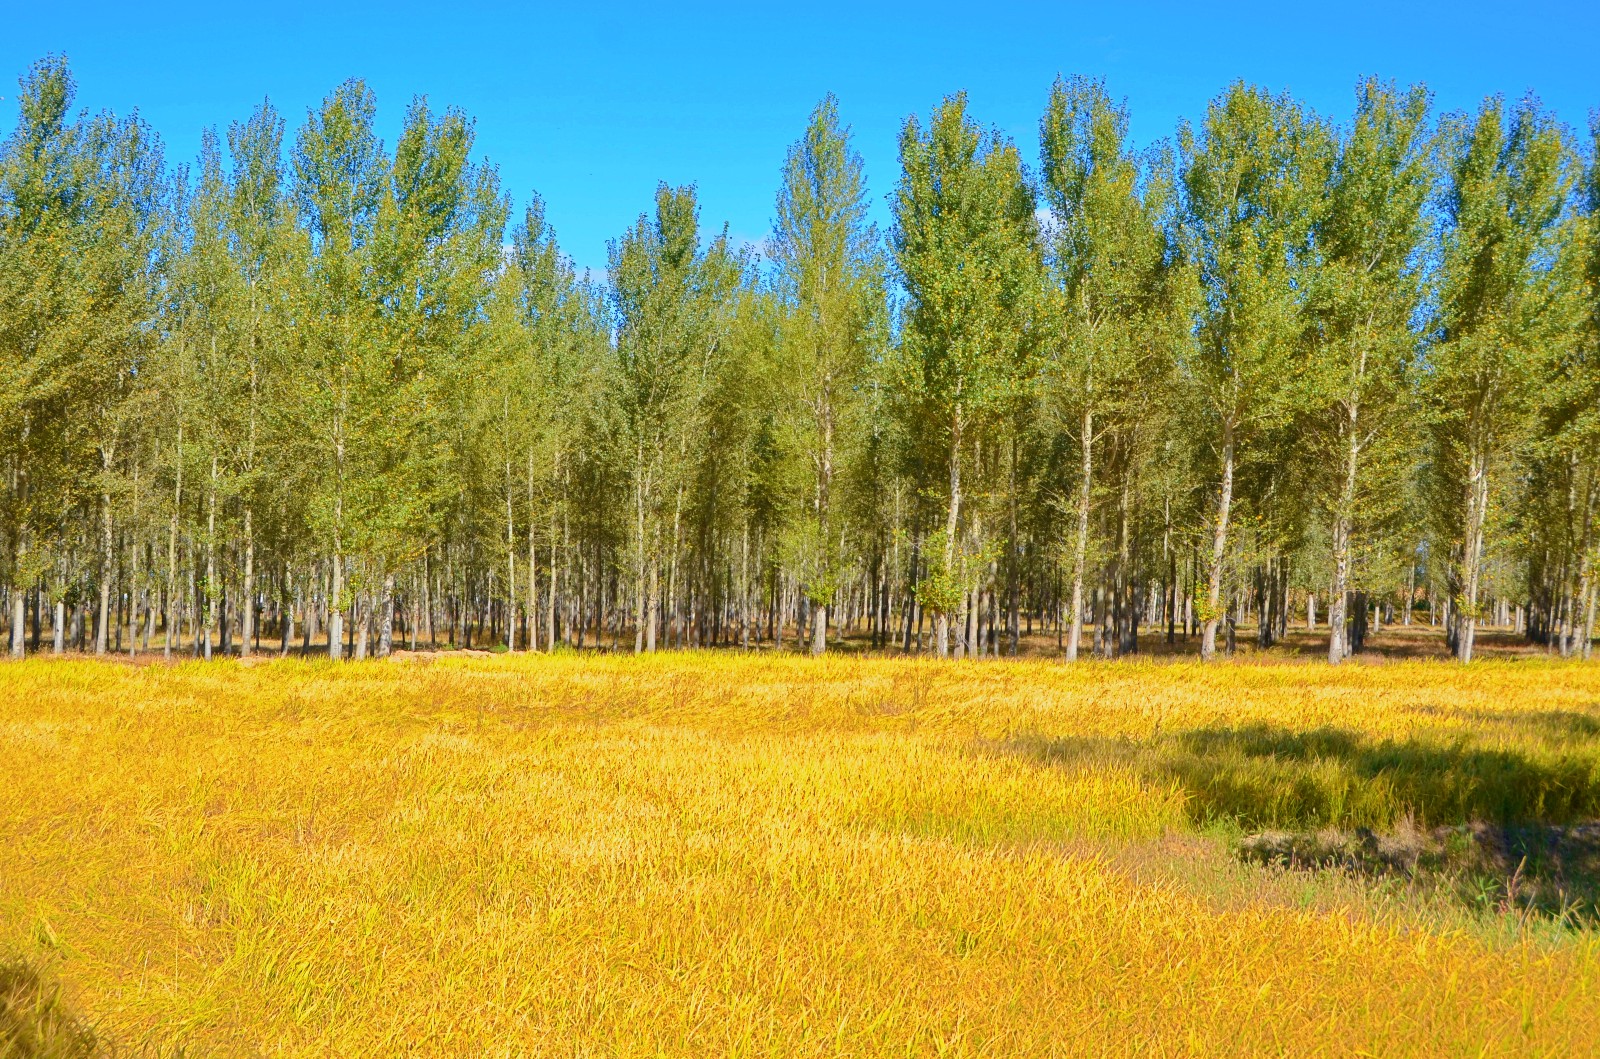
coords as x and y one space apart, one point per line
1367 295
263 254
208 285
528 409
1252 180
830 277
669 295
436 240
339 185
123 227
1108 258
44 194
966 244
1507 184
1585 428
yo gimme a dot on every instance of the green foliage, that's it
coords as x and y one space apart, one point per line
829 279
965 242
315 380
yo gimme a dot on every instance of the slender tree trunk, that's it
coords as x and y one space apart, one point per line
1080 548
550 612
744 588
1219 548
1338 649
172 550
1472 553
211 560
386 617
1127 641
652 608
1586 567
414 599
511 568
1013 618
361 622
291 597
133 599
248 602
819 634
641 596
19 640
336 605
1590 597
952 519
107 558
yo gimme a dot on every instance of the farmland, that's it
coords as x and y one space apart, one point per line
725 854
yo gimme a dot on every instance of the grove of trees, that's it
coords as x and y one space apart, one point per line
316 393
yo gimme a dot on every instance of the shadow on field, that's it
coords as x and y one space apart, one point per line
1507 823
1549 869
34 1023
1262 776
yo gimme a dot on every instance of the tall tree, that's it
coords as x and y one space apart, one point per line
1367 297
45 180
340 174
830 277
1109 261
1252 182
264 255
1507 184
966 243
670 295
436 242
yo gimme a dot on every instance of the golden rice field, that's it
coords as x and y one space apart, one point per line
725 855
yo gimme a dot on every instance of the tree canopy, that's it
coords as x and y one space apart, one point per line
315 392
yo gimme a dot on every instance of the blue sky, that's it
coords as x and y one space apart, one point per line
592 106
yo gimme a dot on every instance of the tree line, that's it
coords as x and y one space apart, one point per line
314 393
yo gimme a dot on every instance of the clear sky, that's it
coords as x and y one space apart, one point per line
592 105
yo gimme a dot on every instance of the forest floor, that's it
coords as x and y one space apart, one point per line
1389 643
714 853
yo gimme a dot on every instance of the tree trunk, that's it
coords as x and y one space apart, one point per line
641 597
286 627
1411 589
1472 553
511 568
1588 620
550 611
1583 627
533 587
819 633
952 517
211 560
1219 547
247 630
1338 650
336 607
133 604
1080 548
19 643
172 550
386 618
102 627
362 620
652 608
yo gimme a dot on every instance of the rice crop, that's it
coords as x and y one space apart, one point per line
755 855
